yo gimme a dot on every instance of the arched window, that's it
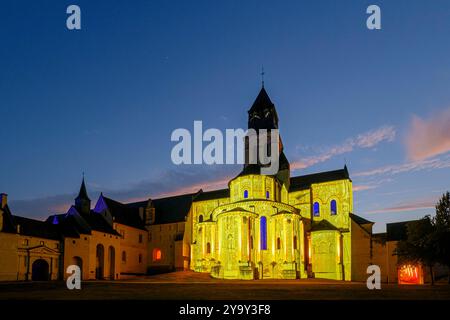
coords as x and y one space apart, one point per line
295 242
267 194
263 232
208 248
245 194
278 243
200 218
251 242
333 207
124 256
157 254
316 209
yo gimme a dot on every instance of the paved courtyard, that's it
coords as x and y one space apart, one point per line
193 286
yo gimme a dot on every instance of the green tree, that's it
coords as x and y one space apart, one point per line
441 237
419 246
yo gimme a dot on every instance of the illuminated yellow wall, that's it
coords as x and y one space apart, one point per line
226 240
8 254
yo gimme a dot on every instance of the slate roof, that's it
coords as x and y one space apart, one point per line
263 107
322 225
35 228
127 214
305 182
359 220
172 209
211 195
73 224
261 102
83 192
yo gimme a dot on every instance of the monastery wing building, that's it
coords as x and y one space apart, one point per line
260 227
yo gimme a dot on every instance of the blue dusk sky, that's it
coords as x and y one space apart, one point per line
105 99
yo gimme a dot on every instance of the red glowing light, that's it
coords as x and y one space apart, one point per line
408 274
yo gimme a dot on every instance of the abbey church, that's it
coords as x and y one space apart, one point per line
260 227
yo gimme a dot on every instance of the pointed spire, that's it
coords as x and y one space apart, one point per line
261 102
83 193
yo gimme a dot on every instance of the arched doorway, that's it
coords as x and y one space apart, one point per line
78 262
100 262
40 270
112 263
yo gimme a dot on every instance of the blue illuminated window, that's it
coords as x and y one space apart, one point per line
333 207
263 232
267 194
246 194
316 209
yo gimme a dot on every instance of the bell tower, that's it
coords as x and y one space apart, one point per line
82 201
263 115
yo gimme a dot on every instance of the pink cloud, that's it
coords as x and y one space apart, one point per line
410 206
365 140
363 187
429 137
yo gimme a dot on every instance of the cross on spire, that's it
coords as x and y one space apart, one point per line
262 75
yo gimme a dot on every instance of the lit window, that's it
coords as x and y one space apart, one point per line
267 194
409 274
157 254
316 209
42 243
263 232
333 207
246 194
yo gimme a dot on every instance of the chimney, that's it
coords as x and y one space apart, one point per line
4 199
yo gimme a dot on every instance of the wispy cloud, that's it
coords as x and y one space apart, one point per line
413 166
371 184
365 140
430 137
413 205
169 182
363 187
